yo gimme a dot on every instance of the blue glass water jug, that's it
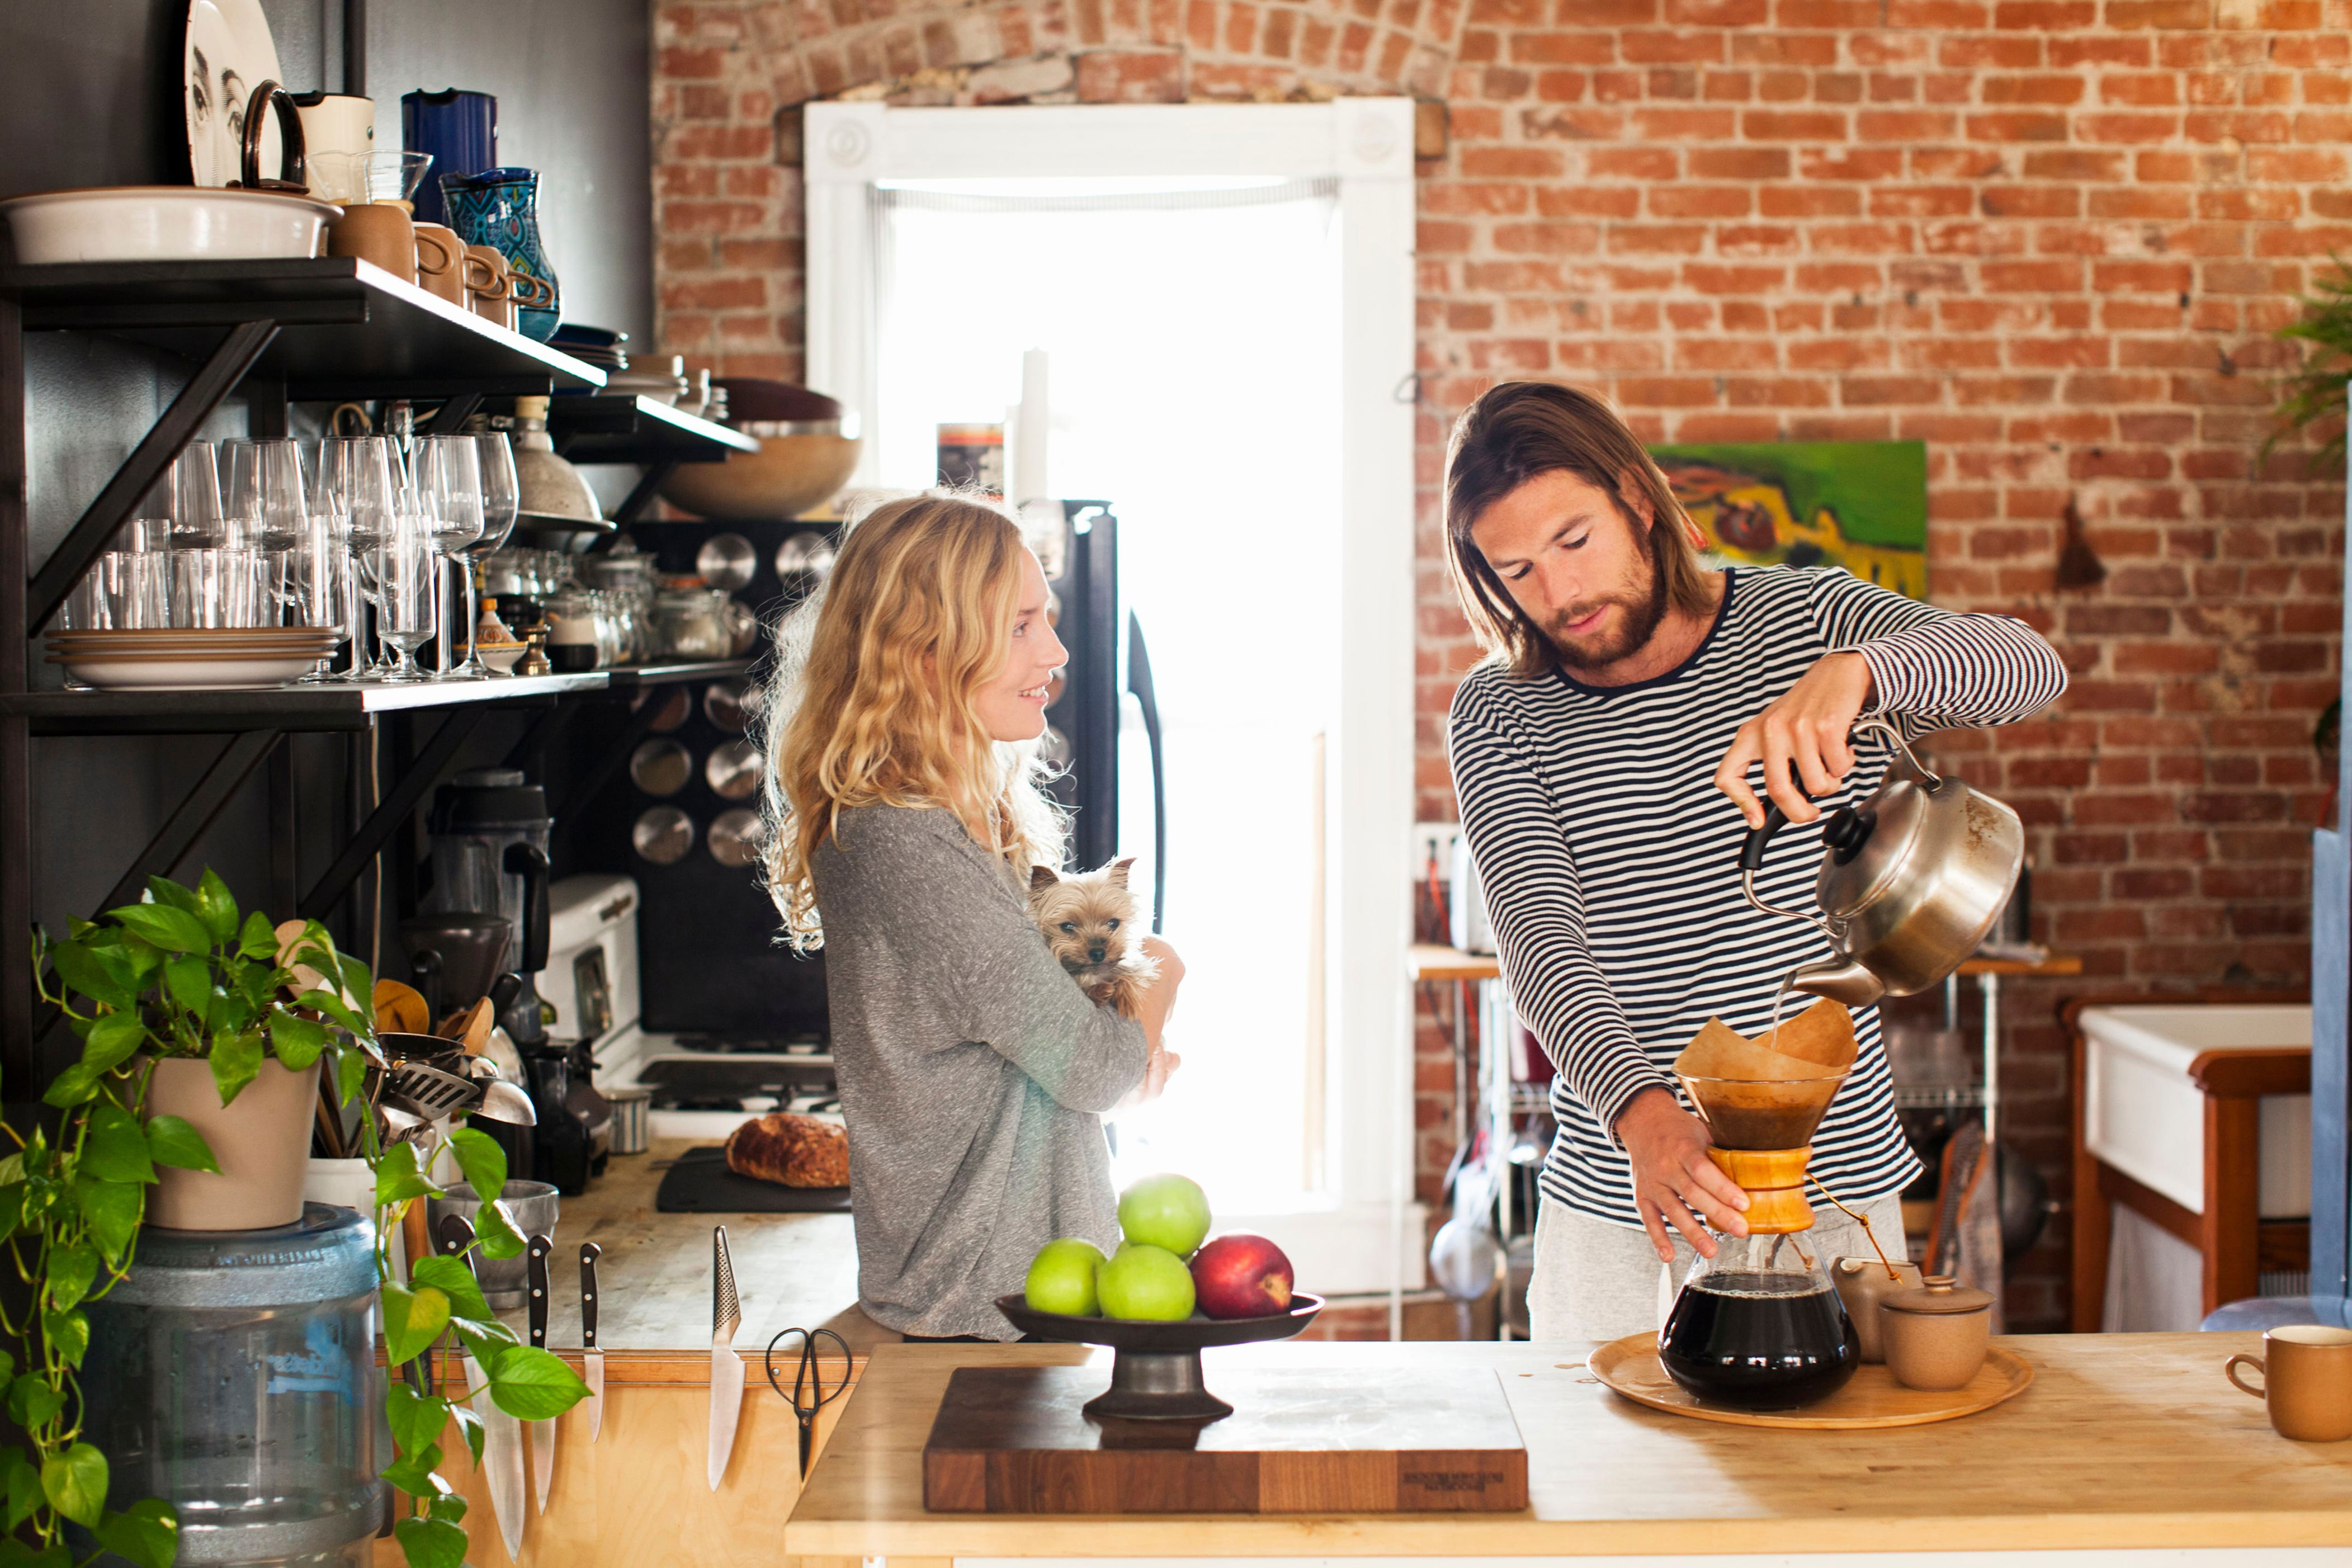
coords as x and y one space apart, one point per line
460 130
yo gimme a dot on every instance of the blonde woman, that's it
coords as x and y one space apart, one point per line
903 790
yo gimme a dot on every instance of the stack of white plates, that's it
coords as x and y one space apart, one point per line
191 658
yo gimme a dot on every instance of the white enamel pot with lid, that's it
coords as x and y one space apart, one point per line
1911 879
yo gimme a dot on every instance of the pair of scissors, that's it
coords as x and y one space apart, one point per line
808 1393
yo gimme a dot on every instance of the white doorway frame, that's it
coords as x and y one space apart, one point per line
1367 1237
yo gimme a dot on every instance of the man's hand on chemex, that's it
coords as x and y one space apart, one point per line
1805 729
1671 1175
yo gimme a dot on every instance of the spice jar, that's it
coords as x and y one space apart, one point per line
1862 1284
1935 1336
690 620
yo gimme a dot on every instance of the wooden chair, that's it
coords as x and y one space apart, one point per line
2236 1244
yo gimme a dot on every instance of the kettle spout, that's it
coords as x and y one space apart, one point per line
1840 980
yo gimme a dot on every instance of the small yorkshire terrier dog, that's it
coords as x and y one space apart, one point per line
1093 926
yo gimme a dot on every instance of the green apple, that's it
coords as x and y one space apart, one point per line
1062 1277
1166 1211
1146 1284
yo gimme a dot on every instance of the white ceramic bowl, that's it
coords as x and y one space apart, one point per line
164 223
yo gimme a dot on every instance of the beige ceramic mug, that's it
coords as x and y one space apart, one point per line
441 261
378 233
2307 1371
486 281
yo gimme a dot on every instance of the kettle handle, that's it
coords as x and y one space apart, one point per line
293 177
1751 847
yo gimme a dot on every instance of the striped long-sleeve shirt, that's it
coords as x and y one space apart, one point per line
1607 858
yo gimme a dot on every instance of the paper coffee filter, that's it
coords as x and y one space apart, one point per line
1818 1043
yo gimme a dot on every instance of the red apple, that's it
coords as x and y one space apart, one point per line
1242 1276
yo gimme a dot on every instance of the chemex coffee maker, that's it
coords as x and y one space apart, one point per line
1760 1326
490 832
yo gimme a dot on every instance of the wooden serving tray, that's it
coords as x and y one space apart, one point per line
1872 1398
1013 1440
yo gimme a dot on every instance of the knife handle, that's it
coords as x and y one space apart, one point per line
589 1253
456 1234
535 1272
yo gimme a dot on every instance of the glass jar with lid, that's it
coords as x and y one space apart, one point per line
690 620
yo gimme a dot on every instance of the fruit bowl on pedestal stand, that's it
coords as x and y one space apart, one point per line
1155 1374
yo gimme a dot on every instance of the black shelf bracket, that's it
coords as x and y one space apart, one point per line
434 763
213 381
641 495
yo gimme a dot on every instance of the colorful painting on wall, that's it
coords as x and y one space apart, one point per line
1862 505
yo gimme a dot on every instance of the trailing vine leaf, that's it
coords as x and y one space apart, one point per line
164 890
172 929
431 1542
75 1483
113 1210
350 1073
70 1274
14 1553
451 1505
416 1419
23 1480
103 977
534 1385
34 1401
413 1471
112 1040
298 1041
68 1335
399 1177
236 1061
455 1281
189 980
332 1005
71 1087
216 907
414 1317
497 1231
471 1425
258 939
482 1161
114 1148
173 1140
147 1533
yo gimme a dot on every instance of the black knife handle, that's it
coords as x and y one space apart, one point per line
589 1253
535 1272
457 1234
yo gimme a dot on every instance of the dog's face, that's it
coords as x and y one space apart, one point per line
1088 920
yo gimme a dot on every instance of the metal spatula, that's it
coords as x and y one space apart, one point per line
436 1093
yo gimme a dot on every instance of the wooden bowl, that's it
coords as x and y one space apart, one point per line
786 477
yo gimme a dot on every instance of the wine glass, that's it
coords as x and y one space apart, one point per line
502 502
406 566
319 584
355 484
449 482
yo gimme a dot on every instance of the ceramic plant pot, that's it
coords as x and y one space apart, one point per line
261 1141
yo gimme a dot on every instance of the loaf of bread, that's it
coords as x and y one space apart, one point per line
791 1151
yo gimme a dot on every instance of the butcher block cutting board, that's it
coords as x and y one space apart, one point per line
1013 1440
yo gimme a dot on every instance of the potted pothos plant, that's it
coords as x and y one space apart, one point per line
183 979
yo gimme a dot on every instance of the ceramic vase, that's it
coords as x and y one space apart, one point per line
499 208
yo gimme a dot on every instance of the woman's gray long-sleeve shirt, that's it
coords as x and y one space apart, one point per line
973 1072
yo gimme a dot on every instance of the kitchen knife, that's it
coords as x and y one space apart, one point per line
542 1432
726 1366
591 1360
502 1439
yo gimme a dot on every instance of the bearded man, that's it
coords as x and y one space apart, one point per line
1629 689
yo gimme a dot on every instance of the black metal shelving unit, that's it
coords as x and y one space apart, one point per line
279 331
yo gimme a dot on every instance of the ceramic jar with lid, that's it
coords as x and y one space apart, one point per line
1862 1284
1935 1336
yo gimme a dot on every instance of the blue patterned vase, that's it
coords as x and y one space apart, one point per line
499 208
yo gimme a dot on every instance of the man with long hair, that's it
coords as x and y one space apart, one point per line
1625 684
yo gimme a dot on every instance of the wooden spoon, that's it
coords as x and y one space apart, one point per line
401 1008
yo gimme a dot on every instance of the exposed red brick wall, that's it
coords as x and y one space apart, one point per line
2049 237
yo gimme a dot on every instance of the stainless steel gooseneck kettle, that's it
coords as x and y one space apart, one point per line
1911 879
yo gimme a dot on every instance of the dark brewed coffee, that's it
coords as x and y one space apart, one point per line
1759 1341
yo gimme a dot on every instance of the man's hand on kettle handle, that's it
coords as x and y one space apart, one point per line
1672 1176
1804 730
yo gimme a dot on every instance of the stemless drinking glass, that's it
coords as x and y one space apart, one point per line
405 566
449 480
320 591
184 510
501 501
215 588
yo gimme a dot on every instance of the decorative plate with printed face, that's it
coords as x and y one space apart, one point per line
229 53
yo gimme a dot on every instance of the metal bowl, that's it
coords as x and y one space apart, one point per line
1156 1373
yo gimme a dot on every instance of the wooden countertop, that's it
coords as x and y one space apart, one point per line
790 1269
2124 1440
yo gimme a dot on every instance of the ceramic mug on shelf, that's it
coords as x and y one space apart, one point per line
378 233
486 284
441 262
2307 1372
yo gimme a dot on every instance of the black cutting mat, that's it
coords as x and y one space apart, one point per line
701 1182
